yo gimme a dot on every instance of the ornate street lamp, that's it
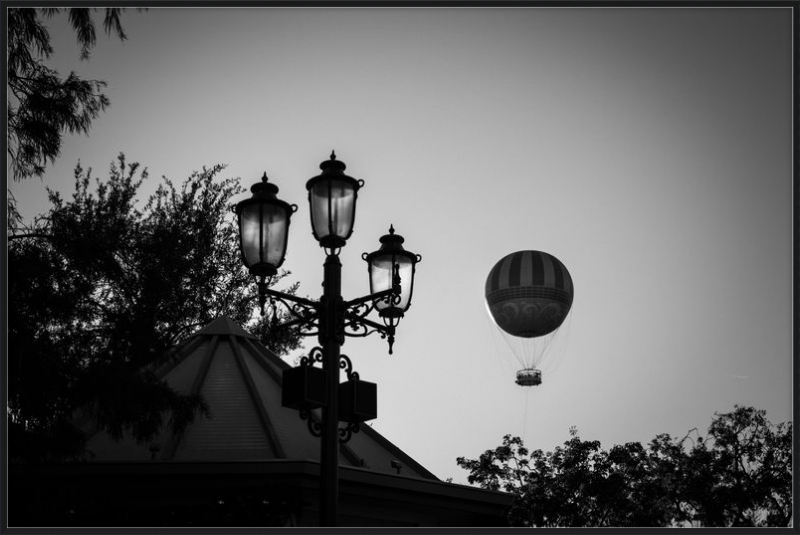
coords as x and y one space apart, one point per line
332 198
263 229
388 265
263 232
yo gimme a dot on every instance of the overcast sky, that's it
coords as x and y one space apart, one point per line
648 149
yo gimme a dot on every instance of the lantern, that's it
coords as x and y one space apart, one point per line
332 198
387 266
264 228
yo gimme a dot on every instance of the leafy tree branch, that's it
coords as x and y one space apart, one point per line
42 105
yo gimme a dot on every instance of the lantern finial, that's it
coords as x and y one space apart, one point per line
333 155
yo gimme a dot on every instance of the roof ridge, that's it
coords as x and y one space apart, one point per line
224 325
258 403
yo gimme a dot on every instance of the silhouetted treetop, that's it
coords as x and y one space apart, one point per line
103 288
740 474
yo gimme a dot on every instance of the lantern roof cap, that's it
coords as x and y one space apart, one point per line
392 238
333 169
392 243
265 187
333 165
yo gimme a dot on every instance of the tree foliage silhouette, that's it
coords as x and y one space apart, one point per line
42 105
101 290
740 474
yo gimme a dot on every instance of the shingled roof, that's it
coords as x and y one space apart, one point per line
240 380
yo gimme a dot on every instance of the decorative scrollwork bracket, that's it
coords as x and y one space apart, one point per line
305 312
314 356
347 365
314 427
346 433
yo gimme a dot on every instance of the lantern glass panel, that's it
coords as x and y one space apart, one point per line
263 231
381 278
332 208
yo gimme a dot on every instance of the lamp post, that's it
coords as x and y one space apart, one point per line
263 236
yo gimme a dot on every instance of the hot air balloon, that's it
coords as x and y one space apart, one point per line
528 295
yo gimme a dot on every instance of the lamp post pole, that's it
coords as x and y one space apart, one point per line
331 337
263 232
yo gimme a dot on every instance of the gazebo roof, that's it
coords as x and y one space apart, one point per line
240 380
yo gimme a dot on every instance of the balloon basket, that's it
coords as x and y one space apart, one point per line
529 377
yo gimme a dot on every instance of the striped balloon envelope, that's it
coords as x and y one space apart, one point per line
529 293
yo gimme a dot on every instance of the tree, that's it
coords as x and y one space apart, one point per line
42 105
739 475
578 484
102 290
